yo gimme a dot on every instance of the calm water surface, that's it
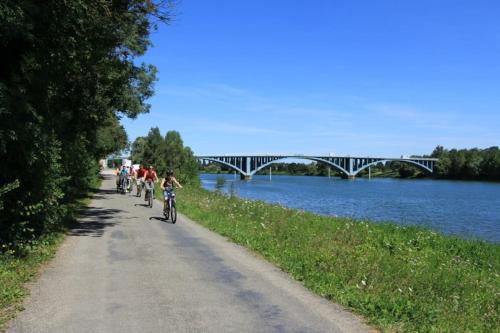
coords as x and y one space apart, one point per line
468 209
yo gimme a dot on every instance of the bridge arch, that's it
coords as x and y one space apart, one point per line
334 165
319 160
419 165
226 164
267 164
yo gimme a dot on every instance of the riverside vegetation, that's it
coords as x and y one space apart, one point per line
401 278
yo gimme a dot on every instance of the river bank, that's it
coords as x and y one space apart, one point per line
401 278
463 208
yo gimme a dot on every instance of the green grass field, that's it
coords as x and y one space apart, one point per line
403 279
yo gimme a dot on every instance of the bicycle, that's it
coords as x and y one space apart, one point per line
124 184
140 185
130 184
169 207
149 196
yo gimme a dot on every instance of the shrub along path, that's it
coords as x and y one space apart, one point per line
124 269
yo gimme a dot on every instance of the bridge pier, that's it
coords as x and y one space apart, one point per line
245 177
351 177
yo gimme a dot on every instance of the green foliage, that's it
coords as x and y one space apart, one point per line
110 137
403 279
478 164
67 75
165 154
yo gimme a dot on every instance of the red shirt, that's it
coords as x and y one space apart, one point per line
150 175
141 172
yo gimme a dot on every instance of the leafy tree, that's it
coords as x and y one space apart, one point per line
322 169
438 152
68 72
406 171
468 164
137 150
490 165
311 169
110 138
166 153
153 150
472 166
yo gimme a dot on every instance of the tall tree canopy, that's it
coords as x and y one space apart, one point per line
166 153
66 77
480 164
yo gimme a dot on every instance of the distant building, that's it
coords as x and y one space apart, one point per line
114 161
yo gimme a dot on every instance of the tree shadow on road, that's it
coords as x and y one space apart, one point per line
93 221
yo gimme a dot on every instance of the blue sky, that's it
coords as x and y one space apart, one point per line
379 78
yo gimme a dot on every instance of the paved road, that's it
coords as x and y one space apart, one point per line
125 270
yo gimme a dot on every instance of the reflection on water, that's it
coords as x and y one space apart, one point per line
470 209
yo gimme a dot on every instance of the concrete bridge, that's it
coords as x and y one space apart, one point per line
349 166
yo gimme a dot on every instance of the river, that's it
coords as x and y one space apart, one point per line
463 208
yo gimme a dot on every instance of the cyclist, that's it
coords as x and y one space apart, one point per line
167 185
140 179
117 174
130 178
123 178
150 178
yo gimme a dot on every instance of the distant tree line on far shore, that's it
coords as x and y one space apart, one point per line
467 164
476 164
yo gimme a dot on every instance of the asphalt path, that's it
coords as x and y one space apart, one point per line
125 269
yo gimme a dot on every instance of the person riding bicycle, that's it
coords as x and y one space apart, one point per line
150 177
140 179
167 185
123 177
117 174
130 178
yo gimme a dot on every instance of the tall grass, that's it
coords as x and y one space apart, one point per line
401 278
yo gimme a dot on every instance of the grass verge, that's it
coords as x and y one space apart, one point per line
16 270
403 279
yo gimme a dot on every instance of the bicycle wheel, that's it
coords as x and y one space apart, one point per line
150 199
173 213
